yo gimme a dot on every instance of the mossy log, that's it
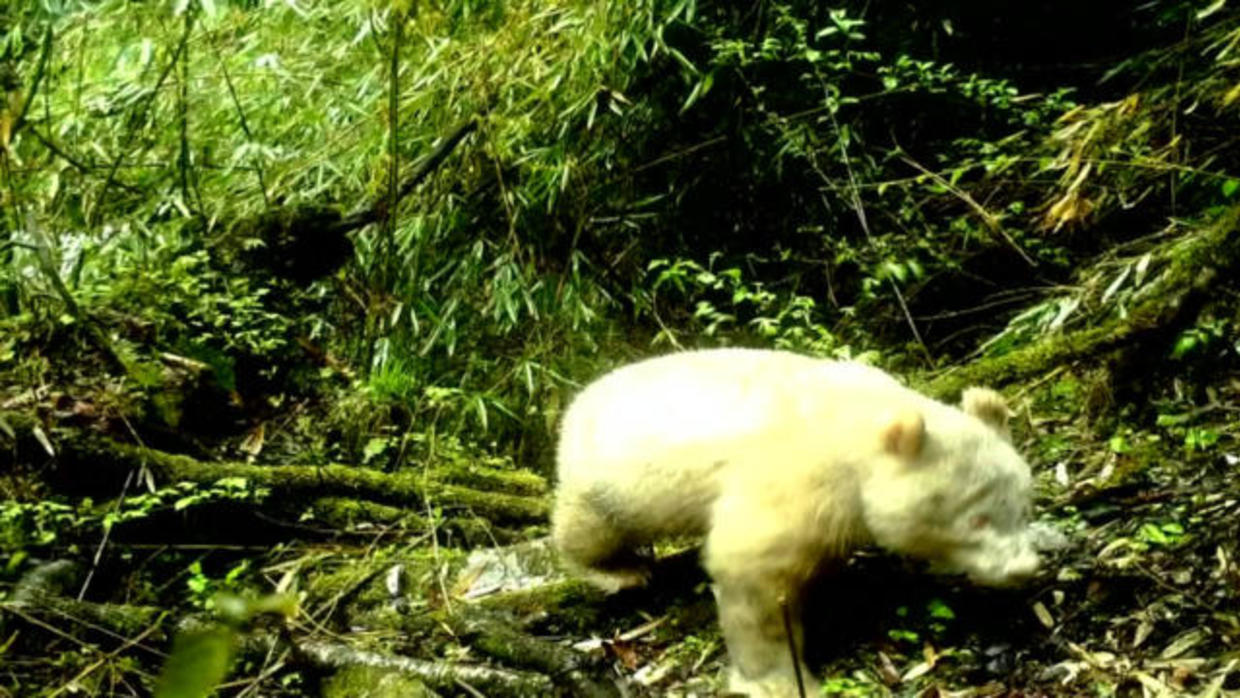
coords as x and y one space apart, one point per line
41 596
489 681
123 622
509 645
1191 268
344 514
373 682
89 462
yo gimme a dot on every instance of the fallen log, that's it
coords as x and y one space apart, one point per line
83 461
506 643
1191 267
41 596
489 681
352 515
40 599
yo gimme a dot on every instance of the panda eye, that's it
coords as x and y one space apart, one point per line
979 521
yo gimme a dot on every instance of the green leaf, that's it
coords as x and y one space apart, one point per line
938 609
1172 420
374 447
1184 345
1119 444
1211 9
198 663
699 90
1151 533
1230 187
907 635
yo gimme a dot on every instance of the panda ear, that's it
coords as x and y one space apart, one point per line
988 406
905 435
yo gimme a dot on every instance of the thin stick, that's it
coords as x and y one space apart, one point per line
792 645
103 542
854 196
987 217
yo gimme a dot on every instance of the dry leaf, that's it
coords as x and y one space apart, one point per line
917 670
252 444
1184 642
41 437
1044 616
887 670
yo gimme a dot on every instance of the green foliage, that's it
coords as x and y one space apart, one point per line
501 277
39 523
199 661
932 622
25 524
936 608
1164 535
647 175
1195 438
718 177
207 593
202 655
903 635
1200 439
1119 444
848 686
749 311
651 173
1206 334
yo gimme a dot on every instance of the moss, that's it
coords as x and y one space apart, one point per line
573 597
364 580
352 514
1191 264
98 457
374 682
343 513
479 477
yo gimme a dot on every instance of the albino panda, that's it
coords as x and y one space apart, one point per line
783 462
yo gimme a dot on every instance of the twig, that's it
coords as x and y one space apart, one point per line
987 217
244 123
378 210
436 157
493 681
73 682
83 167
189 182
20 612
792 644
103 541
387 243
854 196
677 154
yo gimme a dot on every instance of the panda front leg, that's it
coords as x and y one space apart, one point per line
752 620
758 585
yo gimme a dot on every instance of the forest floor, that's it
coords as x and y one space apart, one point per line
441 578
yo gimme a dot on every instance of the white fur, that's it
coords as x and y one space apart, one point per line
783 462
